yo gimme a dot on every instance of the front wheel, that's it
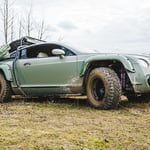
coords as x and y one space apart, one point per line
5 90
103 88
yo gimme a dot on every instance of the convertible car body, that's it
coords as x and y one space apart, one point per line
33 67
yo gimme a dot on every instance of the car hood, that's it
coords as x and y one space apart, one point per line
130 56
136 57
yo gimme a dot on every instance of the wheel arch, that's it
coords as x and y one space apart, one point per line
5 70
115 65
113 59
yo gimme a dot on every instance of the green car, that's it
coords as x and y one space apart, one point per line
32 67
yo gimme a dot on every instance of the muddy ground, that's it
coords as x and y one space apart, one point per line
71 124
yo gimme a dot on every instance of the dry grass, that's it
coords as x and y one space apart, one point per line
73 126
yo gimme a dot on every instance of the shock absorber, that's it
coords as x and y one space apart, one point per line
123 78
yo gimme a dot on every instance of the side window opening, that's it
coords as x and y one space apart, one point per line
68 52
13 55
36 52
43 51
23 54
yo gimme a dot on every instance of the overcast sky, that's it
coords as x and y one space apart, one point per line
103 25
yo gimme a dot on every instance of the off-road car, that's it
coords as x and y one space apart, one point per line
32 67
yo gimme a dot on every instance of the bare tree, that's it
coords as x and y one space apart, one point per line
20 29
34 27
5 13
12 27
41 30
26 23
60 38
5 10
29 21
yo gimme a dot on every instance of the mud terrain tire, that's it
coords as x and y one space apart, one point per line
5 89
103 88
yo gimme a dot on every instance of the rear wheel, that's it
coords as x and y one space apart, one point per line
5 90
103 88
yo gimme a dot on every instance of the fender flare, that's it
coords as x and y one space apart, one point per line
122 59
5 69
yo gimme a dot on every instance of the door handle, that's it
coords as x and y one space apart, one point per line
27 64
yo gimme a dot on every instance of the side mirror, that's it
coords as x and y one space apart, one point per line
58 52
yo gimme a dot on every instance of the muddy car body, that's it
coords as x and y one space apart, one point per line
33 67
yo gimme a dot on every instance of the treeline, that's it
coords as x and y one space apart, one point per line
16 24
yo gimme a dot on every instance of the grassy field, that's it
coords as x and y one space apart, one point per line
73 125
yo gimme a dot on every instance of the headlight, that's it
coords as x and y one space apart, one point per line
143 63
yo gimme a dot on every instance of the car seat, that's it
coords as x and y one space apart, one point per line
42 55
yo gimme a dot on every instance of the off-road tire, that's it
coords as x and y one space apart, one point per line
103 88
5 90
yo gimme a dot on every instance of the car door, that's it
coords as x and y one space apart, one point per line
47 75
